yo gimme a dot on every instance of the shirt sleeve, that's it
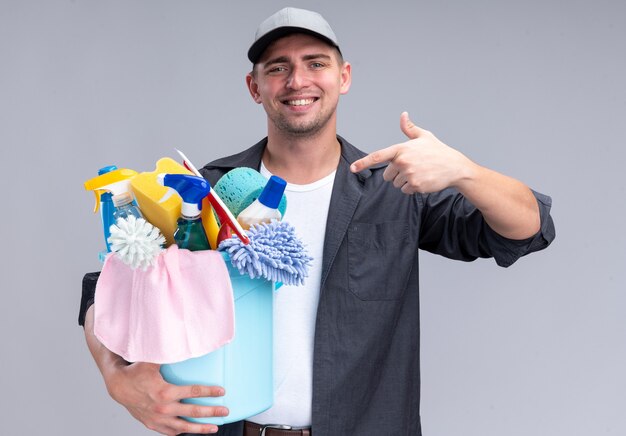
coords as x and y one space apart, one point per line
452 227
87 298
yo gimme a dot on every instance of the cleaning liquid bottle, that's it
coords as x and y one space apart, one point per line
192 189
116 182
111 189
125 206
106 210
265 208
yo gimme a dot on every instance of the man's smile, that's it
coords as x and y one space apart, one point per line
300 101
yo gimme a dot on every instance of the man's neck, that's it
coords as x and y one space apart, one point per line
302 159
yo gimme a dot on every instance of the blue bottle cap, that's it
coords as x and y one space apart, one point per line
105 170
273 192
192 190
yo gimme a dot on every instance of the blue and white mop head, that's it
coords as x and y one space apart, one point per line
136 242
274 253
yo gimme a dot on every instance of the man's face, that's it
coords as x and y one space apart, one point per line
298 80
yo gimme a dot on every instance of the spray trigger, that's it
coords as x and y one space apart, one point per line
97 193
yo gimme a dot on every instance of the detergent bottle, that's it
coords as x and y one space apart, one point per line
265 208
190 232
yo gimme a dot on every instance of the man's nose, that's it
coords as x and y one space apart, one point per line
297 79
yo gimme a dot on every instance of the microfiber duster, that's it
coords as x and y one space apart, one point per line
274 253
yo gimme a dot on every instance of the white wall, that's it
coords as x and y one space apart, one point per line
533 89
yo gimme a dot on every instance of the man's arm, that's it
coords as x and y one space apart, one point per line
424 164
141 389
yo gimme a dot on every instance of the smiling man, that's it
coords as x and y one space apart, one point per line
298 79
346 345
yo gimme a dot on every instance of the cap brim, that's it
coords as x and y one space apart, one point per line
260 45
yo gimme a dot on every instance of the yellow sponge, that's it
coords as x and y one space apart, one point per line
164 214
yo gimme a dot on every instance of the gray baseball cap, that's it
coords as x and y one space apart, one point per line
286 21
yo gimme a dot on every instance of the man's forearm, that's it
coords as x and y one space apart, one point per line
509 206
141 389
106 360
424 164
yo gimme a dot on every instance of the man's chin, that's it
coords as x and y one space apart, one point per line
302 129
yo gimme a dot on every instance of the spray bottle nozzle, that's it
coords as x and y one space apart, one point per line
192 189
115 182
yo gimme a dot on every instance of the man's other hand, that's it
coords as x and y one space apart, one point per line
141 389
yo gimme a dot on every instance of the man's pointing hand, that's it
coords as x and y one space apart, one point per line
423 164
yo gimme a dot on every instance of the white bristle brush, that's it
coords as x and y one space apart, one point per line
136 242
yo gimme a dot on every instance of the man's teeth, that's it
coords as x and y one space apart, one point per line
301 102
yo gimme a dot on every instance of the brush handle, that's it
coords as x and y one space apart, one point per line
226 217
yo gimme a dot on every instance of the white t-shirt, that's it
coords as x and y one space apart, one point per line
295 308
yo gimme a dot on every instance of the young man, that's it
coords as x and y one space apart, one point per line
347 345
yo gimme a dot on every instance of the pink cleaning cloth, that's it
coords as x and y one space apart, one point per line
180 308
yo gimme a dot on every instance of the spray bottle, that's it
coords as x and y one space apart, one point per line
111 189
265 208
106 211
192 189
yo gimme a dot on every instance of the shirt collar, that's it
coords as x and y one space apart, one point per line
251 158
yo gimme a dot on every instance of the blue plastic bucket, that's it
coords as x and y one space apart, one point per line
244 366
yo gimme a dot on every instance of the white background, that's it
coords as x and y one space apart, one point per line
533 89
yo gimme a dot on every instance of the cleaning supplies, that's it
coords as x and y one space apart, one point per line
136 242
161 208
274 253
227 220
110 182
240 186
117 182
243 367
265 208
190 233
106 211
125 206
164 314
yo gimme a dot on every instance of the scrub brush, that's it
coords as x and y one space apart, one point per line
274 253
136 242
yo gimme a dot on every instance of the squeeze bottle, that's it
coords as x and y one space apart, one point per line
192 189
265 208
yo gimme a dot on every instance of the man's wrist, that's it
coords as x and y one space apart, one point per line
468 176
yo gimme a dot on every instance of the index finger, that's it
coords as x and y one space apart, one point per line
176 393
376 157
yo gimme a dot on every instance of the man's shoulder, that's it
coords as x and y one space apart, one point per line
250 157
349 151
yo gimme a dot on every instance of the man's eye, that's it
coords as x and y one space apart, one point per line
277 70
317 65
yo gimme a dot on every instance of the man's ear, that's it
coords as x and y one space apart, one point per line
346 78
253 87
